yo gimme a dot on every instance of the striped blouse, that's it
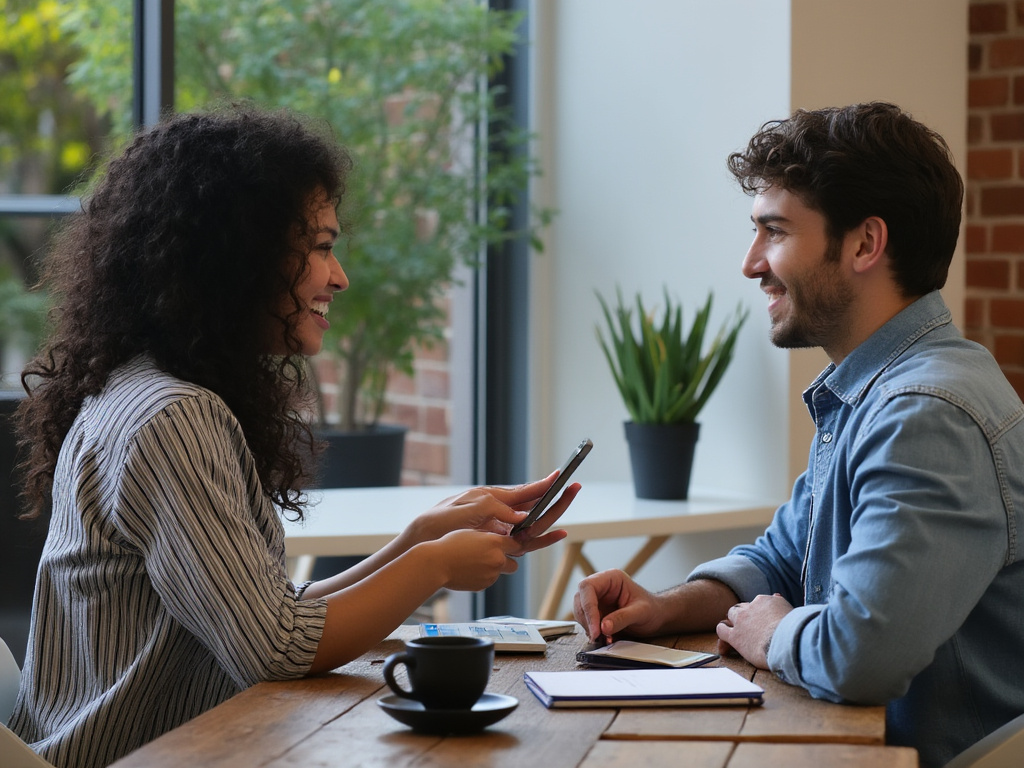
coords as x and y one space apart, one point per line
162 589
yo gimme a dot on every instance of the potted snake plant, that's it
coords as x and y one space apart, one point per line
665 374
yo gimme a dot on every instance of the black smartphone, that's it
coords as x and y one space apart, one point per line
575 459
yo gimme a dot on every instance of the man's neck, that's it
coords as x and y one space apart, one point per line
874 307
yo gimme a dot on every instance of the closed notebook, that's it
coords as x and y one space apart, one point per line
704 686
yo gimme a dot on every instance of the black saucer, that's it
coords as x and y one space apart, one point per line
489 709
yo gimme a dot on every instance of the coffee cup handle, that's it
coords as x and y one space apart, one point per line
390 663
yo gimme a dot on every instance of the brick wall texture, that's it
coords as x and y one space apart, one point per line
423 404
994 232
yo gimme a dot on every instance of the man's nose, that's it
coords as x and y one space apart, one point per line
753 265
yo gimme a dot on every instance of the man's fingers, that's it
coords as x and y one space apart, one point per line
584 607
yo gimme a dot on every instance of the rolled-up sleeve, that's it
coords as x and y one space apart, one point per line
736 572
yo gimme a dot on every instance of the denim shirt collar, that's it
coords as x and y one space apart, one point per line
852 378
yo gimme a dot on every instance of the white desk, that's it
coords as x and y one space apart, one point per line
359 521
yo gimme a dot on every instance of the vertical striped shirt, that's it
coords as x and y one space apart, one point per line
162 589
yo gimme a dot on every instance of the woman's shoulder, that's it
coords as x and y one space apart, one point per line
139 391
141 381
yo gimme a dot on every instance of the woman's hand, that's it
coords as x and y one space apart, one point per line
537 536
495 509
473 560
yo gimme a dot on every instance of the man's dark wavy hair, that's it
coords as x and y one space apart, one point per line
187 250
850 163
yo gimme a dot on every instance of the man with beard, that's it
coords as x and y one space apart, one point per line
894 573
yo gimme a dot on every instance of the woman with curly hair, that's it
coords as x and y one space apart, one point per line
162 428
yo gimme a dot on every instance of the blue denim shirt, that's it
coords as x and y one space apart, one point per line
900 545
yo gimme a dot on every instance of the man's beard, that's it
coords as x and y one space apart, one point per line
819 302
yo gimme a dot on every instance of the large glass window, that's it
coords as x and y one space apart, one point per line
49 135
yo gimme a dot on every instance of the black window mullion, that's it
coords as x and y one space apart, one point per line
503 397
153 61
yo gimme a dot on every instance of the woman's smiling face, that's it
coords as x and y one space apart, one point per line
321 277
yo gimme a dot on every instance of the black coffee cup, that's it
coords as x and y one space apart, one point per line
444 672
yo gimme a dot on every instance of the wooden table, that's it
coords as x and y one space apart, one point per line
359 521
334 720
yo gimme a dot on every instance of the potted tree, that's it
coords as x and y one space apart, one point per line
411 112
665 376
403 83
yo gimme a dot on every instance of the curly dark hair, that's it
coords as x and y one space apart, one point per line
185 249
874 159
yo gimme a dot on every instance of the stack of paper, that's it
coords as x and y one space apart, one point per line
703 686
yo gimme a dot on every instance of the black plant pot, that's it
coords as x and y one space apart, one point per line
361 458
662 458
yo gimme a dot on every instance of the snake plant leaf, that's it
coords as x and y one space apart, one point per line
662 370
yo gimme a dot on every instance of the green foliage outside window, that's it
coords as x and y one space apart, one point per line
48 137
403 84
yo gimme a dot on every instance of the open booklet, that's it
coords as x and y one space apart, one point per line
703 686
548 628
514 638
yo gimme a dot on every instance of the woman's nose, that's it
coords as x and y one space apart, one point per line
339 280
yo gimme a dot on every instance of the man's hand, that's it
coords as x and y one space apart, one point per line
609 602
748 627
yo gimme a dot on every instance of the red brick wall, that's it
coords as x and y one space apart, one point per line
995 183
422 403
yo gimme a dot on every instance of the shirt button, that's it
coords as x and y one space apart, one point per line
826 437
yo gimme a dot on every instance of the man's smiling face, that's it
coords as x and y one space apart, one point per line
800 271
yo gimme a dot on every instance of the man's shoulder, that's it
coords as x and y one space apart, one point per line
953 369
945 360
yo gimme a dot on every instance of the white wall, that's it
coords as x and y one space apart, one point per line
638 103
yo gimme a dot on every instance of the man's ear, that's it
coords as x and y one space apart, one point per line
871 237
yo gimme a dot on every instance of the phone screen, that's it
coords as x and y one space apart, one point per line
574 460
